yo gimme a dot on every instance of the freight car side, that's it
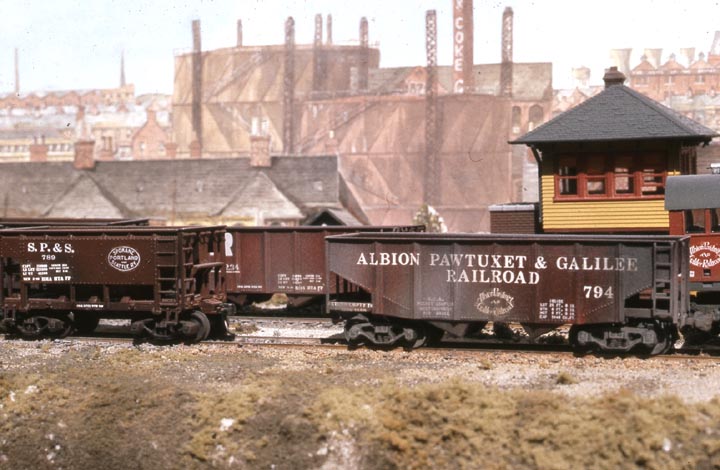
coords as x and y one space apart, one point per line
168 281
262 261
693 202
619 294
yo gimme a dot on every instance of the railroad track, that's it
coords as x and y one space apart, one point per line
336 342
269 319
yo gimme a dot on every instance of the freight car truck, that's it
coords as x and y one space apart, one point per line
170 282
262 261
619 294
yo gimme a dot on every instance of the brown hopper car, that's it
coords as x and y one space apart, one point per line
619 294
170 282
261 261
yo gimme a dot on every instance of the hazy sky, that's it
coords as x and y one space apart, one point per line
76 44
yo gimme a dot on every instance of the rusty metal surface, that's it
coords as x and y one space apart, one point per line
547 280
9 222
111 268
288 260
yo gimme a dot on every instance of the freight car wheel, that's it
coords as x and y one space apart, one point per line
415 337
667 335
85 323
384 335
38 327
204 326
578 347
219 328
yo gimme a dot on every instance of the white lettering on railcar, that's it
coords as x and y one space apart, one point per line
495 302
44 272
124 258
704 255
556 310
484 268
43 247
600 263
389 259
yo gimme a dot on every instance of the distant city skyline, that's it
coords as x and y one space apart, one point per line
76 44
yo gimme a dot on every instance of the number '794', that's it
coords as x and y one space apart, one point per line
596 292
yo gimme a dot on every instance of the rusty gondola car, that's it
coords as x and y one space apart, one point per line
619 293
262 261
168 281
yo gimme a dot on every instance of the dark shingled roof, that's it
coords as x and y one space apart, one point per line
165 188
617 113
692 192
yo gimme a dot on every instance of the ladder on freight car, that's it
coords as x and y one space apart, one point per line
173 266
662 290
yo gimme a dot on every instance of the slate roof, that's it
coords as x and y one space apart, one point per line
292 187
617 113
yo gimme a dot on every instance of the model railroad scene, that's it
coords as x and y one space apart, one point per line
304 258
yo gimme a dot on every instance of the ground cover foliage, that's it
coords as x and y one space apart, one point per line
190 407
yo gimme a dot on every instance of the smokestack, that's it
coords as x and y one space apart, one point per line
506 65
431 176
319 59
463 78
317 42
620 58
289 88
197 82
364 54
122 69
329 30
17 73
654 56
239 33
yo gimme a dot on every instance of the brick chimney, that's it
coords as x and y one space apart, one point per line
195 149
260 151
84 155
38 152
107 152
613 77
171 150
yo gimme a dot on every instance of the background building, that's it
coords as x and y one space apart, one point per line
404 137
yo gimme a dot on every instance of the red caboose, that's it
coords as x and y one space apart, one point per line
694 205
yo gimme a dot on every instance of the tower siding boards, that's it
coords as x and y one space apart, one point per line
631 215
